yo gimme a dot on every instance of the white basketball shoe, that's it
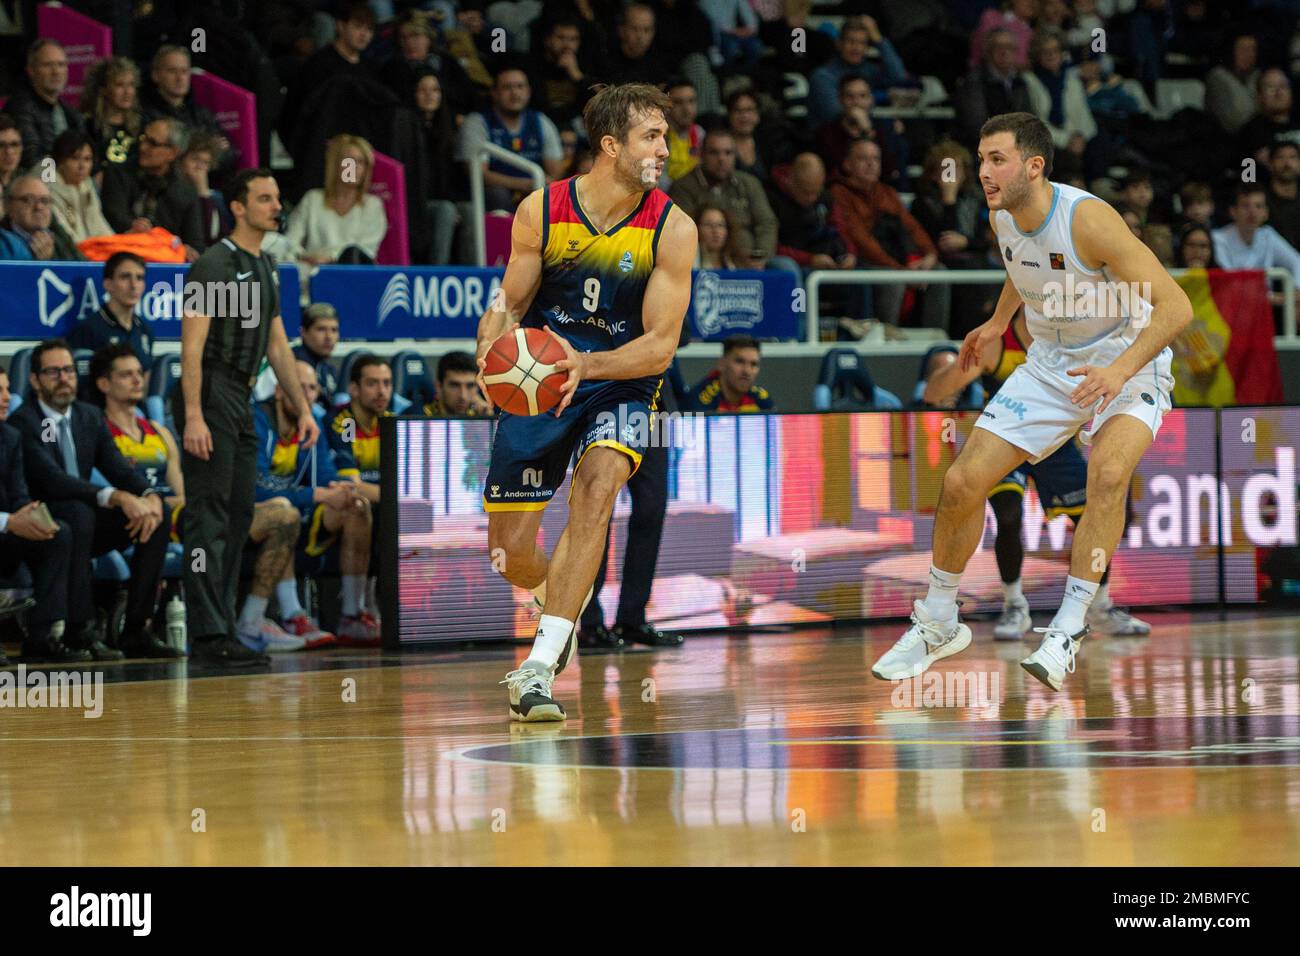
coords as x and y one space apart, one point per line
1055 657
925 642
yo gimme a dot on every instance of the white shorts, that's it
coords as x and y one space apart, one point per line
1032 410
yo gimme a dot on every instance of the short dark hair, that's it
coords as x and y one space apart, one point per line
848 78
677 81
49 345
1246 189
564 20
361 364
116 259
610 111
456 362
735 96
101 363
740 340
317 312
8 122
69 142
1135 177
1032 136
1282 144
237 185
355 11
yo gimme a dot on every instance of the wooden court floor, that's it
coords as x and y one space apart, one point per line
1183 749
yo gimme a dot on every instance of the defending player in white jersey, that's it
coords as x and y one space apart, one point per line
1102 311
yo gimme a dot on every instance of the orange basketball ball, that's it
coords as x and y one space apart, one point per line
520 372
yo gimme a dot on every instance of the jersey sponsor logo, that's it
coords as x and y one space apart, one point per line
241 276
1030 263
1146 397
988 414
495 491
1011 405
625 264
1006 253
573 245
1057 260
559 316
533 476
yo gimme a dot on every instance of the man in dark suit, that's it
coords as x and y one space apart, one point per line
63 440
24 540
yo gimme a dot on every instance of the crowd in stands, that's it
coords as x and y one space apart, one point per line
796 142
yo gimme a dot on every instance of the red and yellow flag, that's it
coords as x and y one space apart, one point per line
1226 355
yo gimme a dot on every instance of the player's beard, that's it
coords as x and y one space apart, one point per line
1017 192
638 174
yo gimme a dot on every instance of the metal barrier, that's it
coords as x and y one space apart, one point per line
819 278
493 151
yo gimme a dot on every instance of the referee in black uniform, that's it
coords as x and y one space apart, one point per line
221 350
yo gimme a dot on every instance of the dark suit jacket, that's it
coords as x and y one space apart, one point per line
13 487
177 207
95 449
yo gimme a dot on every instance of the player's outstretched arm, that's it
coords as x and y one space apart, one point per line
520 283
1104 241
951 379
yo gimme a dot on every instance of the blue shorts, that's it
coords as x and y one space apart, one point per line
531 453
1061 479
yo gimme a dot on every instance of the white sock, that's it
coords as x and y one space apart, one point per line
539 592
1011 593
286 592
1103 595
254 609
354 585
552 634
1079 595
941 601
372 596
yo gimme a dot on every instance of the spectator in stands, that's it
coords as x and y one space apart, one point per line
28 230
633 58
886 236
418 53
1247 243
468 39
63 441
147 446
1230 86
686 43
37 108
341 222
1273 123
951 209
448 206
1283 196
353 432
196 165
76 202
834 137
110 102
857 36
319 338
1197 200
938 359
1149 28
817 49
354 29
5 396
560 71
1056 94
1194 248
757 145
168 96
333 510
118 320
512 125
24 539
1108 100
732 385
1015 18
808 230
1136 194
716 180
684 134
736 26
994 87
719 246
11 153
150 191
458 392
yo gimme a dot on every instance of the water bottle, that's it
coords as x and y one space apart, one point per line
176 623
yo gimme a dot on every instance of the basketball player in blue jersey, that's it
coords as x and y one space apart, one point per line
1102 312
602 262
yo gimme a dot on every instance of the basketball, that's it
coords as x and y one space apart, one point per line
520 373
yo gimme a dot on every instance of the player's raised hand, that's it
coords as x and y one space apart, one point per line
1100 382
977 340
573 363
